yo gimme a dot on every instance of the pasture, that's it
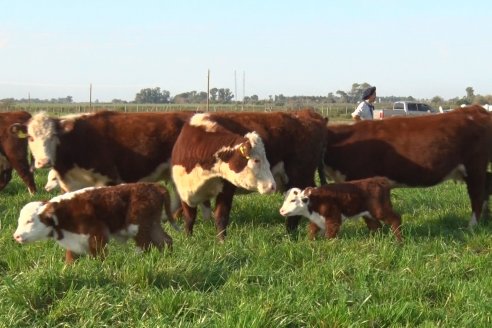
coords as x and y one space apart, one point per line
261 277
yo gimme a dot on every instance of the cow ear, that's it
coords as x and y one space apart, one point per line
48 216
18 130
245 149
67 125
306 192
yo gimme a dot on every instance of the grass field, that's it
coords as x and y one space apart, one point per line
441 276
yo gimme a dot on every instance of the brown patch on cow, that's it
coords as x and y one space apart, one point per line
349 199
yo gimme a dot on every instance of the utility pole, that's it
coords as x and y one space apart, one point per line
90 97
208 90
235 89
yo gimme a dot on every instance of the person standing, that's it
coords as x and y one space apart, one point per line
365 109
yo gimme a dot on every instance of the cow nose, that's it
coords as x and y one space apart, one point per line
17 238
42 163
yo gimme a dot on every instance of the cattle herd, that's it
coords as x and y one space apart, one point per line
107 165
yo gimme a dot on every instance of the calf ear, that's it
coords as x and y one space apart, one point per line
18 130
67 125
48 216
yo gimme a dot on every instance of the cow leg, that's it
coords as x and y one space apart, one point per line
223 205
22 168
5 177
386 214
332 226
70 257
313 231
372 224
159 237
97 244
475 183
189 217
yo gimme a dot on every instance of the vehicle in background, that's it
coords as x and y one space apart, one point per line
404 108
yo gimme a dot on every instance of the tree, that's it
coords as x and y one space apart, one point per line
225 95
470 94
153 96
213 94
437 100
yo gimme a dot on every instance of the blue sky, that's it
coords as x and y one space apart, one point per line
54 49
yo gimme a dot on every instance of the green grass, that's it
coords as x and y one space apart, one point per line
439 277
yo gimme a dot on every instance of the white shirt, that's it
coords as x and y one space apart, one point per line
363 110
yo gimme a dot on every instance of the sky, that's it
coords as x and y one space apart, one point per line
54 49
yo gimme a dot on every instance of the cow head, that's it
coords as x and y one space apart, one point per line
52 181
42 133
36 222
295 203
248 166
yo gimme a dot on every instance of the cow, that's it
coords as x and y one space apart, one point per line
294 143
52 181
83 221
416 151
104 148
13 151
326 206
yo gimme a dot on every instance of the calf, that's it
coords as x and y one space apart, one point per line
52 182
83 221
327 205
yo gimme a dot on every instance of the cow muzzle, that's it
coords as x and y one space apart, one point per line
267 188
43 163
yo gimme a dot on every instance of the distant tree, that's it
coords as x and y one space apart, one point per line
355 94
118 101
153 96
254 98
343 96
213 94
470 93
437 100
225 95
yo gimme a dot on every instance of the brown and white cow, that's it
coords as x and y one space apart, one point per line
416 151
328 205
105 148
293 142
14 151
83 221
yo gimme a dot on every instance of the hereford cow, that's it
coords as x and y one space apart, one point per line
83 221
14 151
294 143
328 205
104 148
416 151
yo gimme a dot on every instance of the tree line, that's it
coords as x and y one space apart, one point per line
225 96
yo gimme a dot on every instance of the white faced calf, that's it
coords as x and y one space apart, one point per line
83 221
328 205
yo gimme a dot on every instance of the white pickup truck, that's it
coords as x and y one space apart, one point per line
404 108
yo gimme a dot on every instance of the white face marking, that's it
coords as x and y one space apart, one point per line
295 203
78 178
29 226
52 181
42 139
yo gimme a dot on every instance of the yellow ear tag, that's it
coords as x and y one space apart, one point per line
21 135
241 150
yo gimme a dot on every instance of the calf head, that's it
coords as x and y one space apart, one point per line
52 181
36 222
42 133
248 166
296 202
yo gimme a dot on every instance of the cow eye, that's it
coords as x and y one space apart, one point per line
257 161
31 139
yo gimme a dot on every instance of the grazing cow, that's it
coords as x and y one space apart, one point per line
416 151
83 221
293 141
14 151
104 148
328 205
